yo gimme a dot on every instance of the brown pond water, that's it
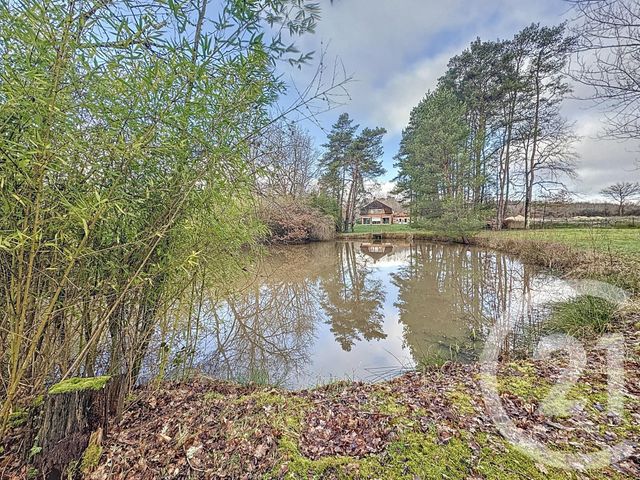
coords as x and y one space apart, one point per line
351 310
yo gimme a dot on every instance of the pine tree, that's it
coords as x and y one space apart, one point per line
434 166
333 162
349 162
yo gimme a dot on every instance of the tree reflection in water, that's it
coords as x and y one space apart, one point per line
353 298
450 295
310 313
264 329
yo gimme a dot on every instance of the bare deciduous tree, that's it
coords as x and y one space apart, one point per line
286 160
621 193
608 59
549 49
556 158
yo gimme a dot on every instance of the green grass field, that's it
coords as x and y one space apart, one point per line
615 240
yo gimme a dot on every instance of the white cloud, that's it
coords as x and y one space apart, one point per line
601 161
380 189
396 51
395 100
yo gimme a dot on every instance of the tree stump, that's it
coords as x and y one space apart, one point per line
73 411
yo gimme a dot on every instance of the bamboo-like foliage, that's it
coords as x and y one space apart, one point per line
124 133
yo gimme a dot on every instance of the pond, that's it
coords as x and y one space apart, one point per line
311 314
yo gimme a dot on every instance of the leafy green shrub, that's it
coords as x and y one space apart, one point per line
457 221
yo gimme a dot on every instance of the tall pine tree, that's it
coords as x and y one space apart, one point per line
349 162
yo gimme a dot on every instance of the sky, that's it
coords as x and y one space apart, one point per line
395 50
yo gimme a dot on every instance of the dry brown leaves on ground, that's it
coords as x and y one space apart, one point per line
195 430
342 424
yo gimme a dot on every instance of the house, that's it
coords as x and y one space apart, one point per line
384 212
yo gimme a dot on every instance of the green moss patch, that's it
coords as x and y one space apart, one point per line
418 455
461 400
18 418
522 380
500 461
91 458
79 384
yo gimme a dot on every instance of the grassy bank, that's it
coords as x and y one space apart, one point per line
618 241
606 254
360 229
428 425
609 255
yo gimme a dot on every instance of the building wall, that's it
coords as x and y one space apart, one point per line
376 218
379 218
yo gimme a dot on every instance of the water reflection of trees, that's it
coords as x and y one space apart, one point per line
263 334
449 296
352 299
265 328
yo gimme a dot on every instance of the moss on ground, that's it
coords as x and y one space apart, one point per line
522 379
417 450
297 465
461 400
420 455
79 384
91 458
18 418
500 461
438 430
415 454
213 396
384 401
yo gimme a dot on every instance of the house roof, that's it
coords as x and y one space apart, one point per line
376 204
392 203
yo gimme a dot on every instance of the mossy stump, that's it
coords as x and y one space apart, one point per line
73 411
